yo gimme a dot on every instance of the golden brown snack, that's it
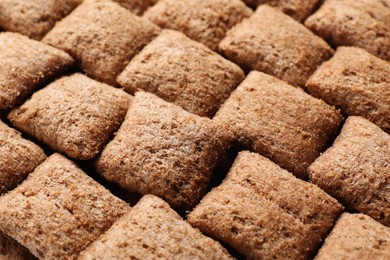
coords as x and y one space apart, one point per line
18 157
297 9
152 230
357 82
183 72
356 236
279 121
360 23
163 150
136 6
25 65
75 115
264 212
272 42
58 210
10 249
33 18
102 36
205 21
356 169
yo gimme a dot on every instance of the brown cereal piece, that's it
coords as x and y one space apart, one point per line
33 18
279 121
183 72
297 9
356 169
152 230
102 36
26 64
18 157
357 82
136 6
274 43
205 21
163 150
356 236
58 210
74 114
12 250
264 212
360 23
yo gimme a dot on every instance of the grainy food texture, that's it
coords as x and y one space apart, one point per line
25 65
18 157
163 150
356 169
279 121
356 236
102 36
33 18
152 230
75 115
297 9
360 23
10 249
183 72
264 212
58 210
357 82
137 6
205 21
272 42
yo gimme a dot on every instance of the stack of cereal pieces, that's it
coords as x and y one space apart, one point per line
194 129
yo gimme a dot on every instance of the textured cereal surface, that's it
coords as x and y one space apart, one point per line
102 36
272 42
33 18
356 169
279 121
183 72
18 157
163 150
58 211
74 115
152 230
265 212
297 9
356 236
360 23
137 6
12 250
357 82
26 64
205 21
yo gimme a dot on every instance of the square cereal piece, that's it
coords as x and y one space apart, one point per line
356 169
33 18
360 23
356 236
75 115
264 212
297 9
183 72
163 150
26 64
136 6
152 230
205 21
10 249
279 121
58 210
102 36
357 82
274 43
18 157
